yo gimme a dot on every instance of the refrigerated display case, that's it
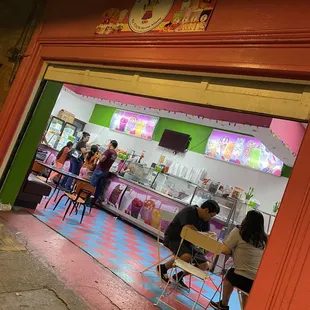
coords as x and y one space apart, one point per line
59 133
54 131
68 134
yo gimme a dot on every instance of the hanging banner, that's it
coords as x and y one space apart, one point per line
157 16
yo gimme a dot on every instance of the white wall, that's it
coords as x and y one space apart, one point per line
268 188
73 104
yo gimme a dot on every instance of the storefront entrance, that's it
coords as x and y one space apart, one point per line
288 101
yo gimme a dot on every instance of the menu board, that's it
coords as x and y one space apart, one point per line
134 124
242 150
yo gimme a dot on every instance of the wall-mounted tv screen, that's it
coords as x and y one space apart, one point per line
175 141
242 150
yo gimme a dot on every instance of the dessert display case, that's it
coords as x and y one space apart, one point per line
143 192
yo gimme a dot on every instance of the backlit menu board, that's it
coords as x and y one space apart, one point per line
134 124
242 150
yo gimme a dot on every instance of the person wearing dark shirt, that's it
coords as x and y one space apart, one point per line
194 218
76 162
102 170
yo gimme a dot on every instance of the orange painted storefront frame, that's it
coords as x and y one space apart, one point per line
282 282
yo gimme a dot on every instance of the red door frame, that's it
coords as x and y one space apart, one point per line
282 281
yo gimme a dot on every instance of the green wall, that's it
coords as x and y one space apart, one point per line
200 134
102 115
30 142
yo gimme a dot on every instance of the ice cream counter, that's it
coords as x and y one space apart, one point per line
140 204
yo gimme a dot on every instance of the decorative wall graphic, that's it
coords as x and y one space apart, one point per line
134 124
147 15
143 16
242 150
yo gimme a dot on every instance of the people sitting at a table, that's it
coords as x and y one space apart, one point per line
102 170
246 244
76 160
90 162
61 158
194 218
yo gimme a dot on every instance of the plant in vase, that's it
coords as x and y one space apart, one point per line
276 207
249 195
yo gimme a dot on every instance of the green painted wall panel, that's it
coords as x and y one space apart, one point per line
102 115
30 142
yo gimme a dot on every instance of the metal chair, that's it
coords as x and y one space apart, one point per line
168 217
240 293
204 242
38 169
82 193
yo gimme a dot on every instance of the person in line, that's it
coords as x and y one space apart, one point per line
76 160
61 158
194 218
246 243
90 162
102 171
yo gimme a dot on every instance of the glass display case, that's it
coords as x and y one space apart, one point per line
54 131
174 187
68 134
139 173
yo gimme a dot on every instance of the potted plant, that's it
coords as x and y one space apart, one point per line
249 195
276 207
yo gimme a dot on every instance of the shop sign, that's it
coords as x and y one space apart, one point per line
242 150
134 124
158 16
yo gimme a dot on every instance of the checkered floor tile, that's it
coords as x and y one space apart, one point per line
126 251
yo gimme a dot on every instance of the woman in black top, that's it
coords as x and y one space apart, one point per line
76 160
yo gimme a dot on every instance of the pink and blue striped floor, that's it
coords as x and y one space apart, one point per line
124 250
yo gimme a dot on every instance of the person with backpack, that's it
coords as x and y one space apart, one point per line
61 158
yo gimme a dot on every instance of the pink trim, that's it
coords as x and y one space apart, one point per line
291 133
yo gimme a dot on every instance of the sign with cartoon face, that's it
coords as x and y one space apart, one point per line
141 16
146 15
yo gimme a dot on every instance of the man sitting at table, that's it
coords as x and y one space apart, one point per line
194 218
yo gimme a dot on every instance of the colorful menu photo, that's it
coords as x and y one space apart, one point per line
242 150
134 124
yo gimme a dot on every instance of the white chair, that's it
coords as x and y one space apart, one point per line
240 293
165 216
203 241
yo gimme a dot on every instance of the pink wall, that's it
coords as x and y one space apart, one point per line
222 115
291 133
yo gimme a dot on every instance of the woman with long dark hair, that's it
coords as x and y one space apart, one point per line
246 243
61 158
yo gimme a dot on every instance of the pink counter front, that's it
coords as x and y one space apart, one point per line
141 206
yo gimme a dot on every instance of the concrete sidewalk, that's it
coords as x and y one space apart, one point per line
25 283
